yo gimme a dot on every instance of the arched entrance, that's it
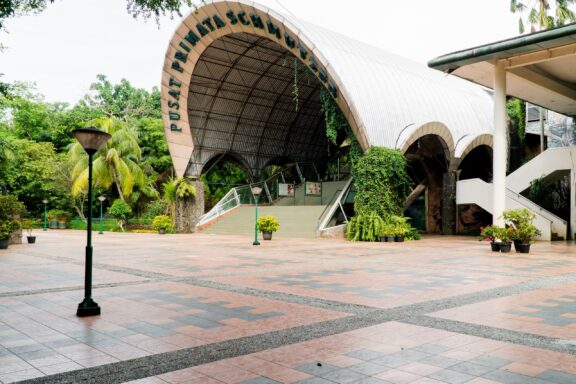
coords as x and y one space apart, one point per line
428 163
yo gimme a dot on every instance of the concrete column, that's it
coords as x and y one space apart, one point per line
500 144
189 210
449 203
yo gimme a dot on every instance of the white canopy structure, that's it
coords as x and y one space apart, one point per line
233 84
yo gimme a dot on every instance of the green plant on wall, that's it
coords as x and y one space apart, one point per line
381 181
337 125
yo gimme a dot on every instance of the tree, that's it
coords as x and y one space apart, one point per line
120 210
543 15
117 161
123 100
144 8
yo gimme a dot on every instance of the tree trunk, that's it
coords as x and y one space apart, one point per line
414 194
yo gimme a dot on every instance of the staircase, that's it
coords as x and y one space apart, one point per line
295 221
551 164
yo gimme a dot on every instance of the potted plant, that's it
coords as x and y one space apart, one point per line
267 225
491 233
505 236
524 236
387 232
29 226
524 231
400 227
10 208
163 224
57 218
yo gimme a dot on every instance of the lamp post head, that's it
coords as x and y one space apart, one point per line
91 138
256 191
101 198
45 201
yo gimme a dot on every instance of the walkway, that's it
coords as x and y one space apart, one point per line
214 309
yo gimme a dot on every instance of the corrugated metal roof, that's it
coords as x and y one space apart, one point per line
241 100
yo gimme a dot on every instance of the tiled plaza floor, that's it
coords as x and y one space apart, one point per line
215 309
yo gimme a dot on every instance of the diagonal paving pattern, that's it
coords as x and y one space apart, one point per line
214 309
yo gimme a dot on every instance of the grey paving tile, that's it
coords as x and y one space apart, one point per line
398 359
315 369
440 361
315 380
369 368
343 376
451 377
260 380
490 361
365 354
372 380
433 349
558 377
513 378
471 368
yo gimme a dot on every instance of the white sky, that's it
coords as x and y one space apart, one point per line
65 47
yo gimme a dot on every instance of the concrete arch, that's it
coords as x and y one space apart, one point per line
467 143
436 128
214 21
230 157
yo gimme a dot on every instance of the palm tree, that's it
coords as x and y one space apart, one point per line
539 13
117 161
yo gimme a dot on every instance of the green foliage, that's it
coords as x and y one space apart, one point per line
122 100
381 181
163 222
157 207
153 143
517 113
337 126
365 226
30 224
120 210
10 209
268 223
520 222
219 179
538 13
116 163
505 234
58 215
490 232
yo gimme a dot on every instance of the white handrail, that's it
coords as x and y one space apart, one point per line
335 206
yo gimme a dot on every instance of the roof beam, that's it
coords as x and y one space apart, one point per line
544 82
540 56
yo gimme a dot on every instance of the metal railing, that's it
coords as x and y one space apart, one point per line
243 195
334 206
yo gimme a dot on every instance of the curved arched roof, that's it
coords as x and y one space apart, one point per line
388 100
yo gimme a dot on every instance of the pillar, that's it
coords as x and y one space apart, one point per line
449 203
189 210
500 144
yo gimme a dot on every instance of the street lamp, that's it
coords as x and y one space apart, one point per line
91 140
45 202
101 198
256 192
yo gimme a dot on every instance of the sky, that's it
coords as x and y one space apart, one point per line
63 48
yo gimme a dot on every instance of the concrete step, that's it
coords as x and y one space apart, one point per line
295 221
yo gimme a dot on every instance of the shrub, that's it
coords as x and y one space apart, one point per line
490 232
521 222
120 210
365 226
163 222
58 215
268 224
10 209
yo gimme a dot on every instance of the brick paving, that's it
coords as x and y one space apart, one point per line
215 309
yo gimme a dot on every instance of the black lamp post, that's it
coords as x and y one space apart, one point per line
256 192
101 198
91 140
45 202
